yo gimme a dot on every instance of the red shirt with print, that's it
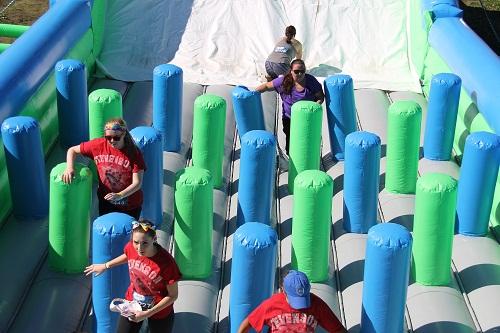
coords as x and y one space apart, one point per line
149 276
276 313
115 168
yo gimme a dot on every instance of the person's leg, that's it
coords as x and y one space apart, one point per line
163 325
105 207
281 69
135 213
126 326
286 130
271 75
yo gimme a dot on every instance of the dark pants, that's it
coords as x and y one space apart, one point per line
163 325
106 207
286 130
274 69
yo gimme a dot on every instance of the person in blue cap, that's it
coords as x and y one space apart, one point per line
295 309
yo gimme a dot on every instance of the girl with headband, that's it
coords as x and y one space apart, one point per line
120 167
153 280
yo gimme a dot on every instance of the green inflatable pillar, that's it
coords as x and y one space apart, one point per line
209 122
193 222
433 228
305 139
312 209
69 219
403 143
104 104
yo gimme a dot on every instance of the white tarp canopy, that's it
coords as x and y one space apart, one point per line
228 41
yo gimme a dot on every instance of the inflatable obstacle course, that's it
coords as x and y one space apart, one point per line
466 303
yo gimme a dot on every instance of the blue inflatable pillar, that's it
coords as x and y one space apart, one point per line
252 271
340 111
167 105
25 161
110 234
257 172
476 186
72 102
441 116
248 111
361 181
149 141
387 269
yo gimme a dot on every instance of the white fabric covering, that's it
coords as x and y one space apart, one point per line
227 41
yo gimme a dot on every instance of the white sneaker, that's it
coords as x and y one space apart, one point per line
124 307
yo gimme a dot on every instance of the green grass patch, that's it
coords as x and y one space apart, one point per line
493 5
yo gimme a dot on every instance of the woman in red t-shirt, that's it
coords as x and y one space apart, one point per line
120 167
153 280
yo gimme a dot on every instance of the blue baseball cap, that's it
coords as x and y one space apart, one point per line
297 289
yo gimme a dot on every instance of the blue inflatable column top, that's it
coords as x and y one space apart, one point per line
387 270
167 105
476 187
248 110
110 234
340 111
149 141
72 102
361 181
252 271
441 116
25 161
257 172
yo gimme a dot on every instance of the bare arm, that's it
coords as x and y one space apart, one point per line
69 173
100 268
320 97
245 326
129 190
173 292
298 49
268 86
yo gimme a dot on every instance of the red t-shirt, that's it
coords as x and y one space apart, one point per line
149 276
115 169
276 313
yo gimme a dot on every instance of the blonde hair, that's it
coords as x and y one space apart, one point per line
130 147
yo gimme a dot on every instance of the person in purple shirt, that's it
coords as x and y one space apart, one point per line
295 86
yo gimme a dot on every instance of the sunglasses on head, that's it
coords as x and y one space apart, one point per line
145 226
299 71
115 127
113 137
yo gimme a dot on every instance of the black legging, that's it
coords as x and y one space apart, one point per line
106 207
163 325
286 130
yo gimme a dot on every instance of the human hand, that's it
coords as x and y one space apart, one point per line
95 268
68 175
113 197
139 316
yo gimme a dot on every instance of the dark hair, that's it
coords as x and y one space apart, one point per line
129 143
150 232
288 80
290 33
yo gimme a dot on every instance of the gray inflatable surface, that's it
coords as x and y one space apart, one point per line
36 299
